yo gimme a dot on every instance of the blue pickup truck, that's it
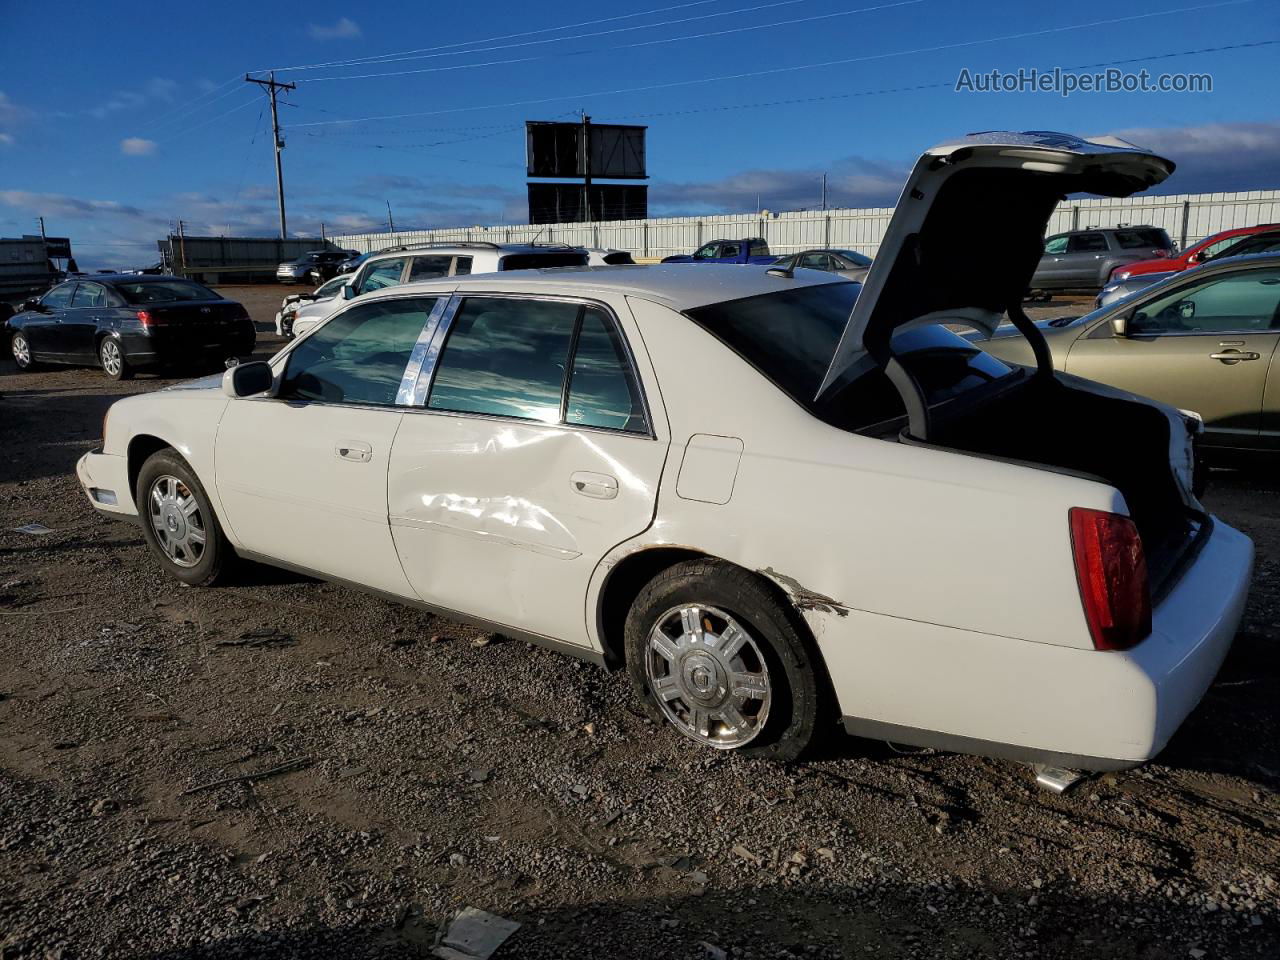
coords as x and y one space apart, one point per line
752 250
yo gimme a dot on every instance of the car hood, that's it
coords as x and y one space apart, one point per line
1162 265
968 230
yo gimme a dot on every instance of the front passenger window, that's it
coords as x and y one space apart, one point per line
59 296
358 356
1246 302
386 273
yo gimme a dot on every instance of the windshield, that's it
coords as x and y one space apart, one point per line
531 261
790 337
855 257
164 291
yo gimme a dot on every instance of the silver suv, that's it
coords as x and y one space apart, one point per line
1084 259
427 261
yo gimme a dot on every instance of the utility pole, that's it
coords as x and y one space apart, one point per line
323 241
824 191
271 86
182 248
391 224
586 168
42 236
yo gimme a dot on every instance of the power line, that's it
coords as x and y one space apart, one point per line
508 36
193 107
621 46
205 123
780 70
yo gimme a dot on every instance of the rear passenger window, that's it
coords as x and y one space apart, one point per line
506 357
1086 243
602 389
463 266
428 268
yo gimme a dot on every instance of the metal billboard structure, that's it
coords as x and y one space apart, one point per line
582 152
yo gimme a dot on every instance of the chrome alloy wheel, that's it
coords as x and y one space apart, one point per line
21 350
708 676
176 519
112 361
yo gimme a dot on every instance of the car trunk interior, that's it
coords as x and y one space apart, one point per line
1045 422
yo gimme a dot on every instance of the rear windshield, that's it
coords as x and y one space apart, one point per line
790 338
854 256
533 261
1143 237
164 291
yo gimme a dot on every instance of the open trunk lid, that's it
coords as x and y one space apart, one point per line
968 231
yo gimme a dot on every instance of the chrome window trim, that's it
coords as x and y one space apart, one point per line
431 360
407 395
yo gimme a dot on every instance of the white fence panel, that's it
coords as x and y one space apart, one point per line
1187 217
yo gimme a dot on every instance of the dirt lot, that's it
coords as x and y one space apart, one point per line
425 769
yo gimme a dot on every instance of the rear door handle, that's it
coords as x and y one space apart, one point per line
599 486
1234 356
353 450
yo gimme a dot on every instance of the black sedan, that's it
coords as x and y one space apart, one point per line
125 321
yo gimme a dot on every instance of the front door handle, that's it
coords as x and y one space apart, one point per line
1234 356
600 486
353 450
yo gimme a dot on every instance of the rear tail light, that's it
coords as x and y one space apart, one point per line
1112 573
149 320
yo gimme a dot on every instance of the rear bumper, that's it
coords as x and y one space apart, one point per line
105 482
935 686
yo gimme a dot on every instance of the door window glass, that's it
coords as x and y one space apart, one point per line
1055 245
1211 249
729 250
384 273
1244 302
359 356
602 390
425 268
1143 237
506 357
759 248
59 296
1086 243
89 295
462 266
705 252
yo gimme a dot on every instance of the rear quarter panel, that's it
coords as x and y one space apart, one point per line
847 523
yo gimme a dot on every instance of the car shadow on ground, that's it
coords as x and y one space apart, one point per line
885 917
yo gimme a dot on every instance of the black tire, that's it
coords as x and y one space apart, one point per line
216 556
797 678
15 348
112 359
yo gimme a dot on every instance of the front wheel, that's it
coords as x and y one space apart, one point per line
178 522
113 361
20 349
714 653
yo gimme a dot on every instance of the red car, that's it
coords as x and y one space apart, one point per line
1207 249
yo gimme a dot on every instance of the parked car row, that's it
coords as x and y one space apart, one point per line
778 499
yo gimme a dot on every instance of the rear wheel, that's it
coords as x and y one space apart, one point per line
113 361
178 521
712 652
20 349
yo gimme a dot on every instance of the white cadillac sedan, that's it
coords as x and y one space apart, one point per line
779 499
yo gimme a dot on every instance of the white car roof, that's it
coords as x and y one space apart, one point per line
682 286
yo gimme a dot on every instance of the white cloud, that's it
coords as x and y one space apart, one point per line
137 147
344 29
6 139
156 89
1214 157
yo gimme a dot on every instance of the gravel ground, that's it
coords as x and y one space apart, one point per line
416 768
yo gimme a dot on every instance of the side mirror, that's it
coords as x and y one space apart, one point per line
248 379
1120 325
348 292
33 305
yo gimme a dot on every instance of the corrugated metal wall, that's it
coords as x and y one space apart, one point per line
1187 217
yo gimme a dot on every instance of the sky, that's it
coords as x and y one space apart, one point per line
134 121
